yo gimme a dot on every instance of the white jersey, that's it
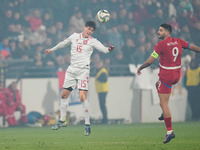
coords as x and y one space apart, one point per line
81 49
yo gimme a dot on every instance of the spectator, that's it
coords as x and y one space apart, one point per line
35 20
128 49
138 57
183 18
39 61
114 18
4 48
141 15
152 36
188 5
47 20
172 9
115 37
52 33
17 18
24 51
175 25
185 33
7 19
13 49
158 19
195 27
101 84
40 35
60 35
15 103
193 88
77 21
119 59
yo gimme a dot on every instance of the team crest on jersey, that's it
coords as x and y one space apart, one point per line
85 41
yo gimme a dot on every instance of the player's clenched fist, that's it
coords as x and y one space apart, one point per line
47 51
111 48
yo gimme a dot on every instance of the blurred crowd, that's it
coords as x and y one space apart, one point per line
29 27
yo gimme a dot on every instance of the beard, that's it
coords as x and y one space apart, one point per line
162 37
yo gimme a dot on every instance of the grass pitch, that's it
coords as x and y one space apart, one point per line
103 137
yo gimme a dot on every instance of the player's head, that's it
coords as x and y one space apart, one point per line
89 28
164 31
91 24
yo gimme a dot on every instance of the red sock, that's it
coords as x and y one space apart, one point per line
168 123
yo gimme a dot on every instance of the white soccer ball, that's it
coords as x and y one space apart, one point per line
103 16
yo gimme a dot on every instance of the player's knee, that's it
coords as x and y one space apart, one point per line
82 99
64 95
65 92
83 95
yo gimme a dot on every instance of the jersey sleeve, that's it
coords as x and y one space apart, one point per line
184 44
63 43
100 47
157 49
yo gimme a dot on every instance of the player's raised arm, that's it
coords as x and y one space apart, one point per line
100 47
59 45
194 48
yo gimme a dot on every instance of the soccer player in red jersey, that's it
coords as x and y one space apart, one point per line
169 51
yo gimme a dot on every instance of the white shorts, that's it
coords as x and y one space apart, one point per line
77 76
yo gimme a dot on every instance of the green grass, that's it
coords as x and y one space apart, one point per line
104 137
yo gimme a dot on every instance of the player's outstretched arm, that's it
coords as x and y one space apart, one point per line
146 64
111 48
194 48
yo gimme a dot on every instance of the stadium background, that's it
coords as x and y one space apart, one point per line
29 27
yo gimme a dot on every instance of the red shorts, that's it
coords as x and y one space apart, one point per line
167 78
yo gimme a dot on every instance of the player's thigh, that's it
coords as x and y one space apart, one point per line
163 87
83 79
70 80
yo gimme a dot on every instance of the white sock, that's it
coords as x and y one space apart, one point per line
86 111
169 132
63 109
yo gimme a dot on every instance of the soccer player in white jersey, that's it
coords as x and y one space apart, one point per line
77 73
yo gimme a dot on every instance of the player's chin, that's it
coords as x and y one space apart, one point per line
88 35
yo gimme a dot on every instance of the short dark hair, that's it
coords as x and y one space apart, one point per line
91 24
167 27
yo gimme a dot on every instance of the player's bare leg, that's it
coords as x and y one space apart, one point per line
63 109
164 100
85 102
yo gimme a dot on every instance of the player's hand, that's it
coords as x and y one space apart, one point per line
139 72
111 48
47 51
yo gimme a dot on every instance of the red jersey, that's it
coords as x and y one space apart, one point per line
170 51
4 95
16 99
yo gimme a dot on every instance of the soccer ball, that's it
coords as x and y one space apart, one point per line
103 16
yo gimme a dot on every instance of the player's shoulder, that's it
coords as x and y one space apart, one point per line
160 43
93 39
75 34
